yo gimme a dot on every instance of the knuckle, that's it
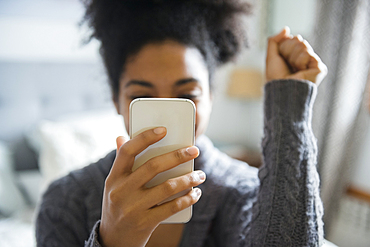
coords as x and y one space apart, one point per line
316 59
298 38
193 178
146 136
169 187
107 181
305 55
151 166
126 150
177 206
114 197
301 46
178 154
304 45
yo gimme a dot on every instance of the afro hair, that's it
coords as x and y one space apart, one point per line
124 26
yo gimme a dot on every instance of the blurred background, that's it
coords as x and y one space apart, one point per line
56 113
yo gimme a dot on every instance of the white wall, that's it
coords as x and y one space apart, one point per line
361 178
44 31
42 60
298 15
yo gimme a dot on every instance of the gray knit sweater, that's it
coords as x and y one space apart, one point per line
277 206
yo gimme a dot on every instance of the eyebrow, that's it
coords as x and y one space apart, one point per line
185 81
150 85
140 83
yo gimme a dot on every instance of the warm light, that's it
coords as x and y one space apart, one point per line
246 83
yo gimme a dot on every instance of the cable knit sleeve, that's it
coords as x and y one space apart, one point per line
60 221
70 211
288 210
93 240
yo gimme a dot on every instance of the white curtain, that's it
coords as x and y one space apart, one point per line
342 40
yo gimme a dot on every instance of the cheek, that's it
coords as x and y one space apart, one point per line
124 110
125 114
126 119
202 117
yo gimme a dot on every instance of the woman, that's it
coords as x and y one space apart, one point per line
171 49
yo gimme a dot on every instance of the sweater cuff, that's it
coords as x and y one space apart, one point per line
94 236
289 100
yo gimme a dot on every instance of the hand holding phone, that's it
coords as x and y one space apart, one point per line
131 211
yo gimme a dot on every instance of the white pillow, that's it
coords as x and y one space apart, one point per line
11 200
75 141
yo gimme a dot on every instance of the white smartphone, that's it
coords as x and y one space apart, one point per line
178 116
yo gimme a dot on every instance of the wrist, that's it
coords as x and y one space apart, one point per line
289 100
116 237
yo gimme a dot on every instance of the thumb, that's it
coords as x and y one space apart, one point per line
309 74
285 33
120 141
273 42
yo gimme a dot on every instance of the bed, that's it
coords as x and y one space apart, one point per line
54 118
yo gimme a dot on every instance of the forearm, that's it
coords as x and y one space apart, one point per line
288 211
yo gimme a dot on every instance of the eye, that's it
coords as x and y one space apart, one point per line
193 95
187 96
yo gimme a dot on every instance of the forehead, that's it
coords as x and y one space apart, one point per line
165 62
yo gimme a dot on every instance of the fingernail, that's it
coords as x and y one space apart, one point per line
201 175
192 150
159 130
195 193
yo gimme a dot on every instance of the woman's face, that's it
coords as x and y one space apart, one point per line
167 70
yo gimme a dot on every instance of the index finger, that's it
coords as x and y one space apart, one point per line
125 156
